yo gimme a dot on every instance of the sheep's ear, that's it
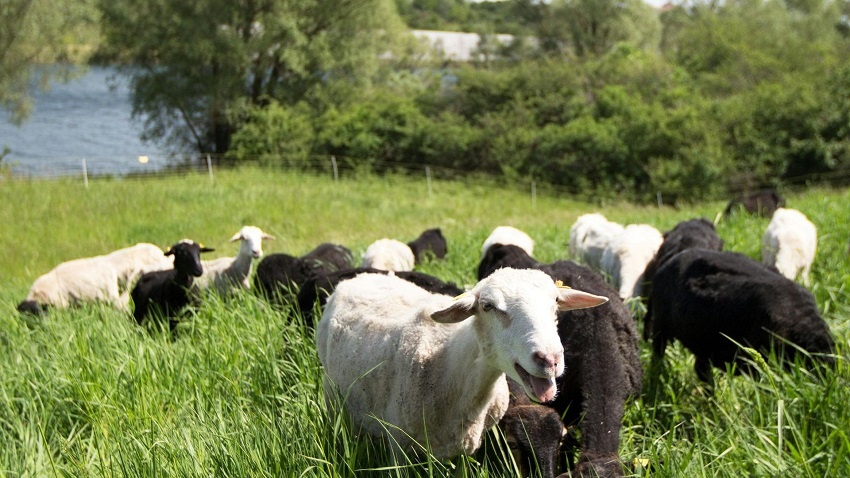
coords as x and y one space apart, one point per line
169 252
571 299
236 237
206 249
268 237
461 308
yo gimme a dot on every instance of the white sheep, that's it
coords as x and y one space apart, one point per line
508 235
389 255
589 236
627 255
426 368
225 273
106 278
790 244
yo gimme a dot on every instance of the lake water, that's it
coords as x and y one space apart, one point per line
88 118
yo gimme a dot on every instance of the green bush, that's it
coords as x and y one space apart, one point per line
274 134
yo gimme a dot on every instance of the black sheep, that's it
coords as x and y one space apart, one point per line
534 433
279 276
762 203
166 292
317 289
690 234
431 242
708 299
602 363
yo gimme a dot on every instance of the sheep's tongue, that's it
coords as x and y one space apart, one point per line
544 388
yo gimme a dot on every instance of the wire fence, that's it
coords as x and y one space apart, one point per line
144 167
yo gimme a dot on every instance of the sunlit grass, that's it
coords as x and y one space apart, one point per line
238 392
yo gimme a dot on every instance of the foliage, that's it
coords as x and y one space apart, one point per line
206 62
276 135
32 32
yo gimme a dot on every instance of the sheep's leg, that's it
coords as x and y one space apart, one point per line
703 370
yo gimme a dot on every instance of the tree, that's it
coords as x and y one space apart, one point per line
591 27
53 33
198 67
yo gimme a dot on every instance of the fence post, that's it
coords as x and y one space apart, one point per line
336 172
85 174
533 194
658 196
428 177
209 168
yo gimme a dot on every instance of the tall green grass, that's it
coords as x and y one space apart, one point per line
238 392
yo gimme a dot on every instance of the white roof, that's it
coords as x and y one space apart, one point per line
456 46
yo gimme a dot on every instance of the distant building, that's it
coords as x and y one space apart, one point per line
458 46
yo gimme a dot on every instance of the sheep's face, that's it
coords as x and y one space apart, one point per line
516 323
252 241
187 257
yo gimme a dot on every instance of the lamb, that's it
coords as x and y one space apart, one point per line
106 278
166 292
761 203
534 434
317 289
694 233
590 236
602 362
711 301
279 276
389 255
226 273
627 255
426 368
429 243
508 235
790 244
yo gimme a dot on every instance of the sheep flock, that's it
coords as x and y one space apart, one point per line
545 354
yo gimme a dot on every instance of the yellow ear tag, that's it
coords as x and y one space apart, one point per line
560 284
461 296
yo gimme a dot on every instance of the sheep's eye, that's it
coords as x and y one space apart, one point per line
487 306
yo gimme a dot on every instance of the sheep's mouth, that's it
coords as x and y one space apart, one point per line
543 389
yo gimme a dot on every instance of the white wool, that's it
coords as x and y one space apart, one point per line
389 255
406 375
627 255
508 235
589 236
790 244
225 273
107 278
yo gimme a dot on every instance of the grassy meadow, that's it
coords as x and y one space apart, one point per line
86 392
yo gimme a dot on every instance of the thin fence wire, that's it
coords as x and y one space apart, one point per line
337 167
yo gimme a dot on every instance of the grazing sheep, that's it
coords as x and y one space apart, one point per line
711 300
627 255
431 242
166 292
226 273
534 434
389 255
279 276
691 234
601 360
504 255
107 278
508 235
316 290
590 236
426 368
761 203
790 244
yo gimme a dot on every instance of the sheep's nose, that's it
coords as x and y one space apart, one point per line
545 360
